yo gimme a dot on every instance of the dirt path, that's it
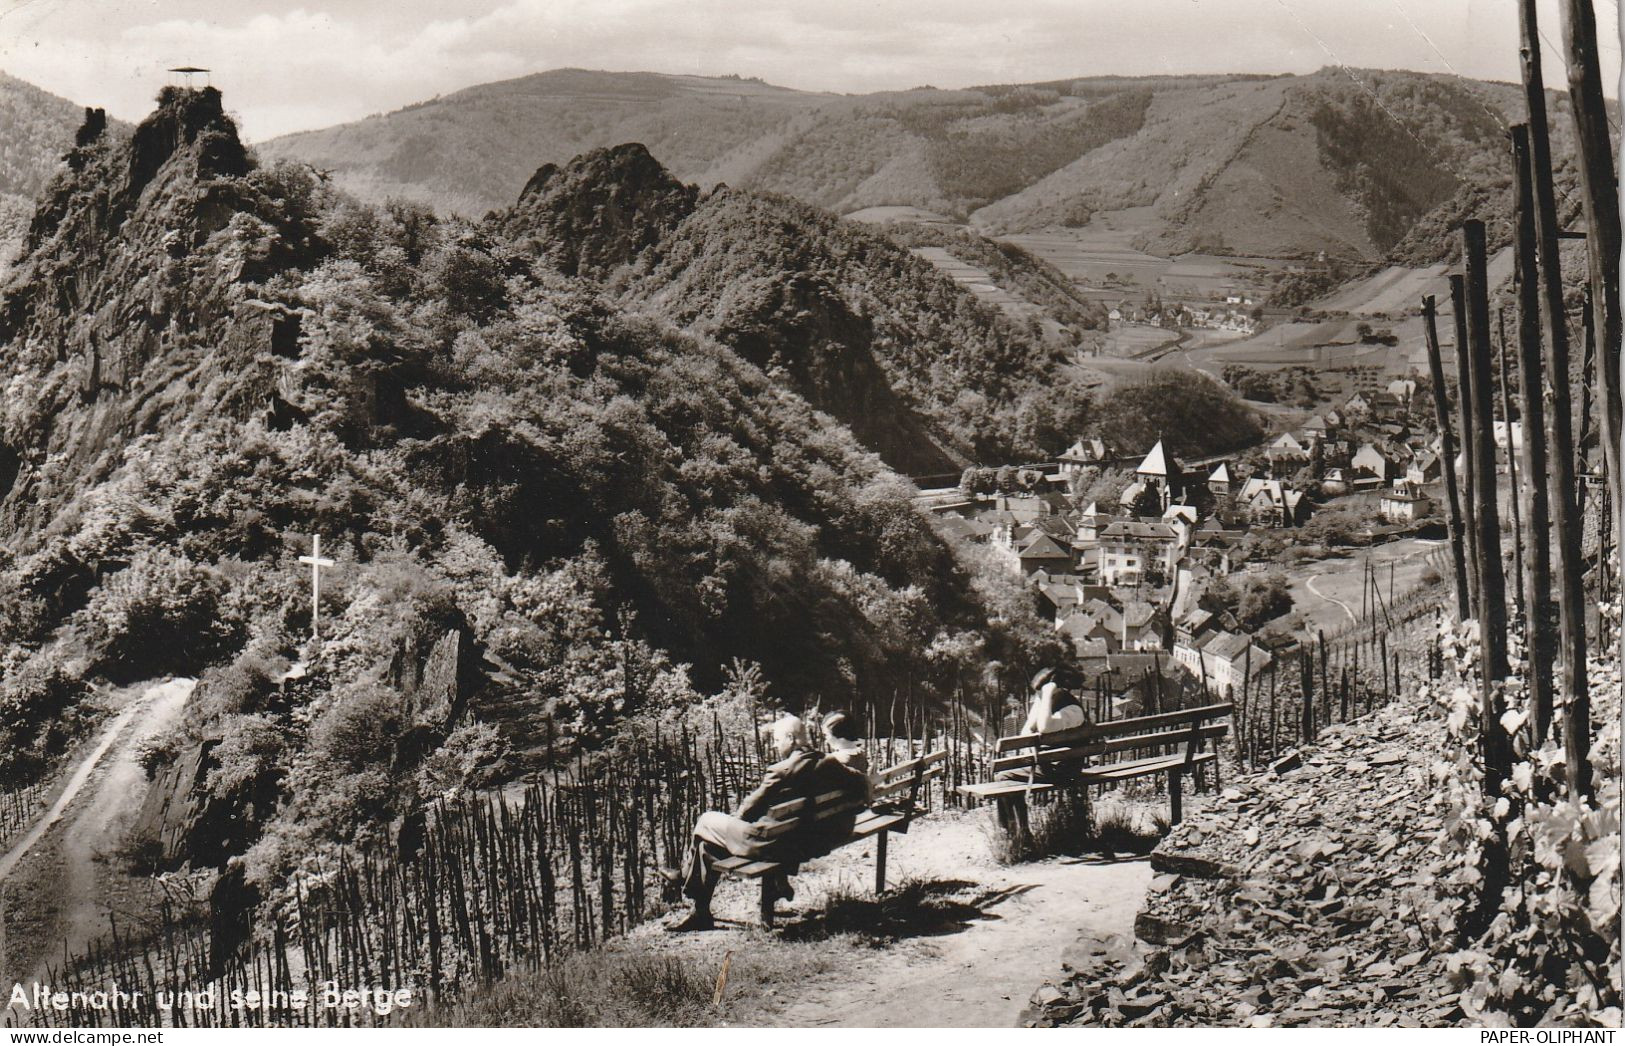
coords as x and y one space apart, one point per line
1310 585
982 976
92 818
98 827
959 940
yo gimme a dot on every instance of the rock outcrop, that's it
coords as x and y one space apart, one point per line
601 211
760 287
121 312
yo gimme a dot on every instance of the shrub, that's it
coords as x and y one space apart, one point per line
251 748
140 853
1263 599
41 711
461 761
358 730
162 615
155 752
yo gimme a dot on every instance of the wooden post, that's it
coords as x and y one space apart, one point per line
1325 700
1306 692
1176 806
1492 611
1469 448
1559 423
1512 463
1537 569
1447 451
880 862
769 897
1599 196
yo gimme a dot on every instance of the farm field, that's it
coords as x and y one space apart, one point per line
901 213
1137 341
979 282
1398 289
1332 343
1102 256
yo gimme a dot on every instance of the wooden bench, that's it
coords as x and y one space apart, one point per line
897 795
1076 756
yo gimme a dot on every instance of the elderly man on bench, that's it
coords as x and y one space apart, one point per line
799 773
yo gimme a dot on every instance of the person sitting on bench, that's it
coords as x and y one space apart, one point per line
800 773
1054 708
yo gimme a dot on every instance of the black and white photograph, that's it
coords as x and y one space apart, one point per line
702 514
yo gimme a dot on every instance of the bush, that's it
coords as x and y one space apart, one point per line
358 730
462 761
153 753
162 615
1262 599
140 853
251 748
41 711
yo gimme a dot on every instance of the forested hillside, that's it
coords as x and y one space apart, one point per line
471 151
1362 164
921 370
207 361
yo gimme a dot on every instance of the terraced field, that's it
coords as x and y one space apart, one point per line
1398 289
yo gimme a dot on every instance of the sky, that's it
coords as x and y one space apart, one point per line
287 66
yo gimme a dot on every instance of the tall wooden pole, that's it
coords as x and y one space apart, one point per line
1495 745
1447 452
1599 194
1492 611
1559 423
1469 451
1537 563
1512 457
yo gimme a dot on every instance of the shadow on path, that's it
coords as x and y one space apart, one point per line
916 908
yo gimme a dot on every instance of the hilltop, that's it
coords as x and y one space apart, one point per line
1346 162
472 151
923 372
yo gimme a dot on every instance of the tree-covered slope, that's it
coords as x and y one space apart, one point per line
914 364
207 361
35 126
1361 164
471 151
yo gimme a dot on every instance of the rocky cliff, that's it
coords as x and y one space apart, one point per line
120 315
206 361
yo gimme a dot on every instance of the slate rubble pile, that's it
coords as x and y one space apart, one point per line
1289 899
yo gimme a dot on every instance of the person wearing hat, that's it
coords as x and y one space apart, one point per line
799 773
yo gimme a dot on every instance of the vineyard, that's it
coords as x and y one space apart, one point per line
19 810
490 883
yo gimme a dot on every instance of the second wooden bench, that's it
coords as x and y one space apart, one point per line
1029 763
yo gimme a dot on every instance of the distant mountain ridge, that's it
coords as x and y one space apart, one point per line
1253 165
471 151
